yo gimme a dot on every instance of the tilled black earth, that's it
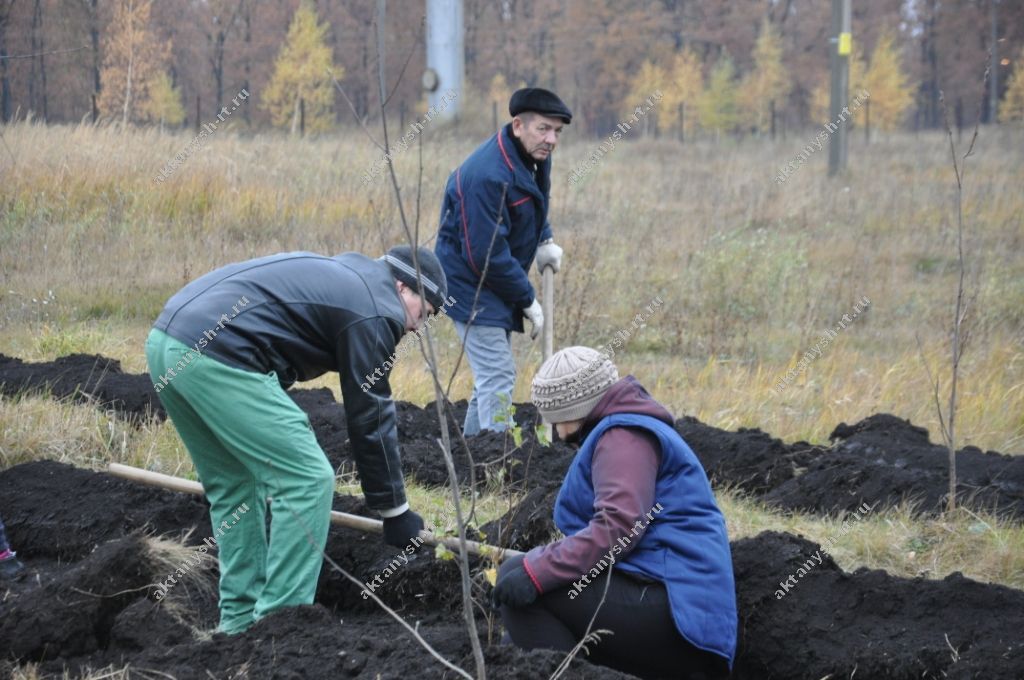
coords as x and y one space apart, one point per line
87 601
881 460
86 378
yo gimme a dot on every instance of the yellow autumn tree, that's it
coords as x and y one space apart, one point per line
717 107
645 85
768 82
1012 106
133 60
888 86
301 74
683 89
499 92
164 103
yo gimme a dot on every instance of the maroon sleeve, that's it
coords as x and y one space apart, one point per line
624 472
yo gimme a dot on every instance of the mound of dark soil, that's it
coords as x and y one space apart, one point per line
57 511
496 460
867 624
71 611
495 456
417 584
528 524
748 459
96 610
147 624
310 642
86 378
881 460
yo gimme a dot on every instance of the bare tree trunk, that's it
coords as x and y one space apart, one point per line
960 333
42 61
217 62
131 62
37 97
218 39
993 69
933 66
5 83
128 85
247 64
94 36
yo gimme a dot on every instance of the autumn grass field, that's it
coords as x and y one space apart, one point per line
751 272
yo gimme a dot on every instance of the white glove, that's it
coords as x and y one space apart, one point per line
549 255
535 313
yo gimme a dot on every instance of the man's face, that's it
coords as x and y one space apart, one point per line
538 134
416 308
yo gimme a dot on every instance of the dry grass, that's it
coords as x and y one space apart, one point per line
981 547
31 672
197 580
38 427
751 272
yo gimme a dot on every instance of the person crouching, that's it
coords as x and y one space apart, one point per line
636 508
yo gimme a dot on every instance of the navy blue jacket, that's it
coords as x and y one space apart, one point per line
494 189
685 545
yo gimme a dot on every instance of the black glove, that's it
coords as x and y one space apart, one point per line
514 587
401 529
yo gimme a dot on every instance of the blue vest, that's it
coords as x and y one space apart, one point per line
685 546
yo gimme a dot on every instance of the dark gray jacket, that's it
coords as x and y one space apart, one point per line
300 315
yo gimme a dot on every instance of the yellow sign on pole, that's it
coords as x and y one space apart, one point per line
845 44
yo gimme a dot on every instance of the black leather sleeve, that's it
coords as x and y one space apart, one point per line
372 427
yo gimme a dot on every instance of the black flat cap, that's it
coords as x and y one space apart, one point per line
539 100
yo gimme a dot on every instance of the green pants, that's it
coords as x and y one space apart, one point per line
250 443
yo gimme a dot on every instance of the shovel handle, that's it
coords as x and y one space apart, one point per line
548 305
340 518
549 316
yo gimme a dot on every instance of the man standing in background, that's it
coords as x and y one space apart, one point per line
494 223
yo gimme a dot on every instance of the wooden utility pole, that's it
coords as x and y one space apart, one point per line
840 46
993 71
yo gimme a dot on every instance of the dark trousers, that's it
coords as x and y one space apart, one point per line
644 642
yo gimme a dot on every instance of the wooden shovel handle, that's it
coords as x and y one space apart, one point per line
340 518
548 304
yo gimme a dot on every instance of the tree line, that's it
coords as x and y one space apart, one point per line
738 67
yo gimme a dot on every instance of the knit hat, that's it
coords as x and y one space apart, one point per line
435 285
571 382
539 100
